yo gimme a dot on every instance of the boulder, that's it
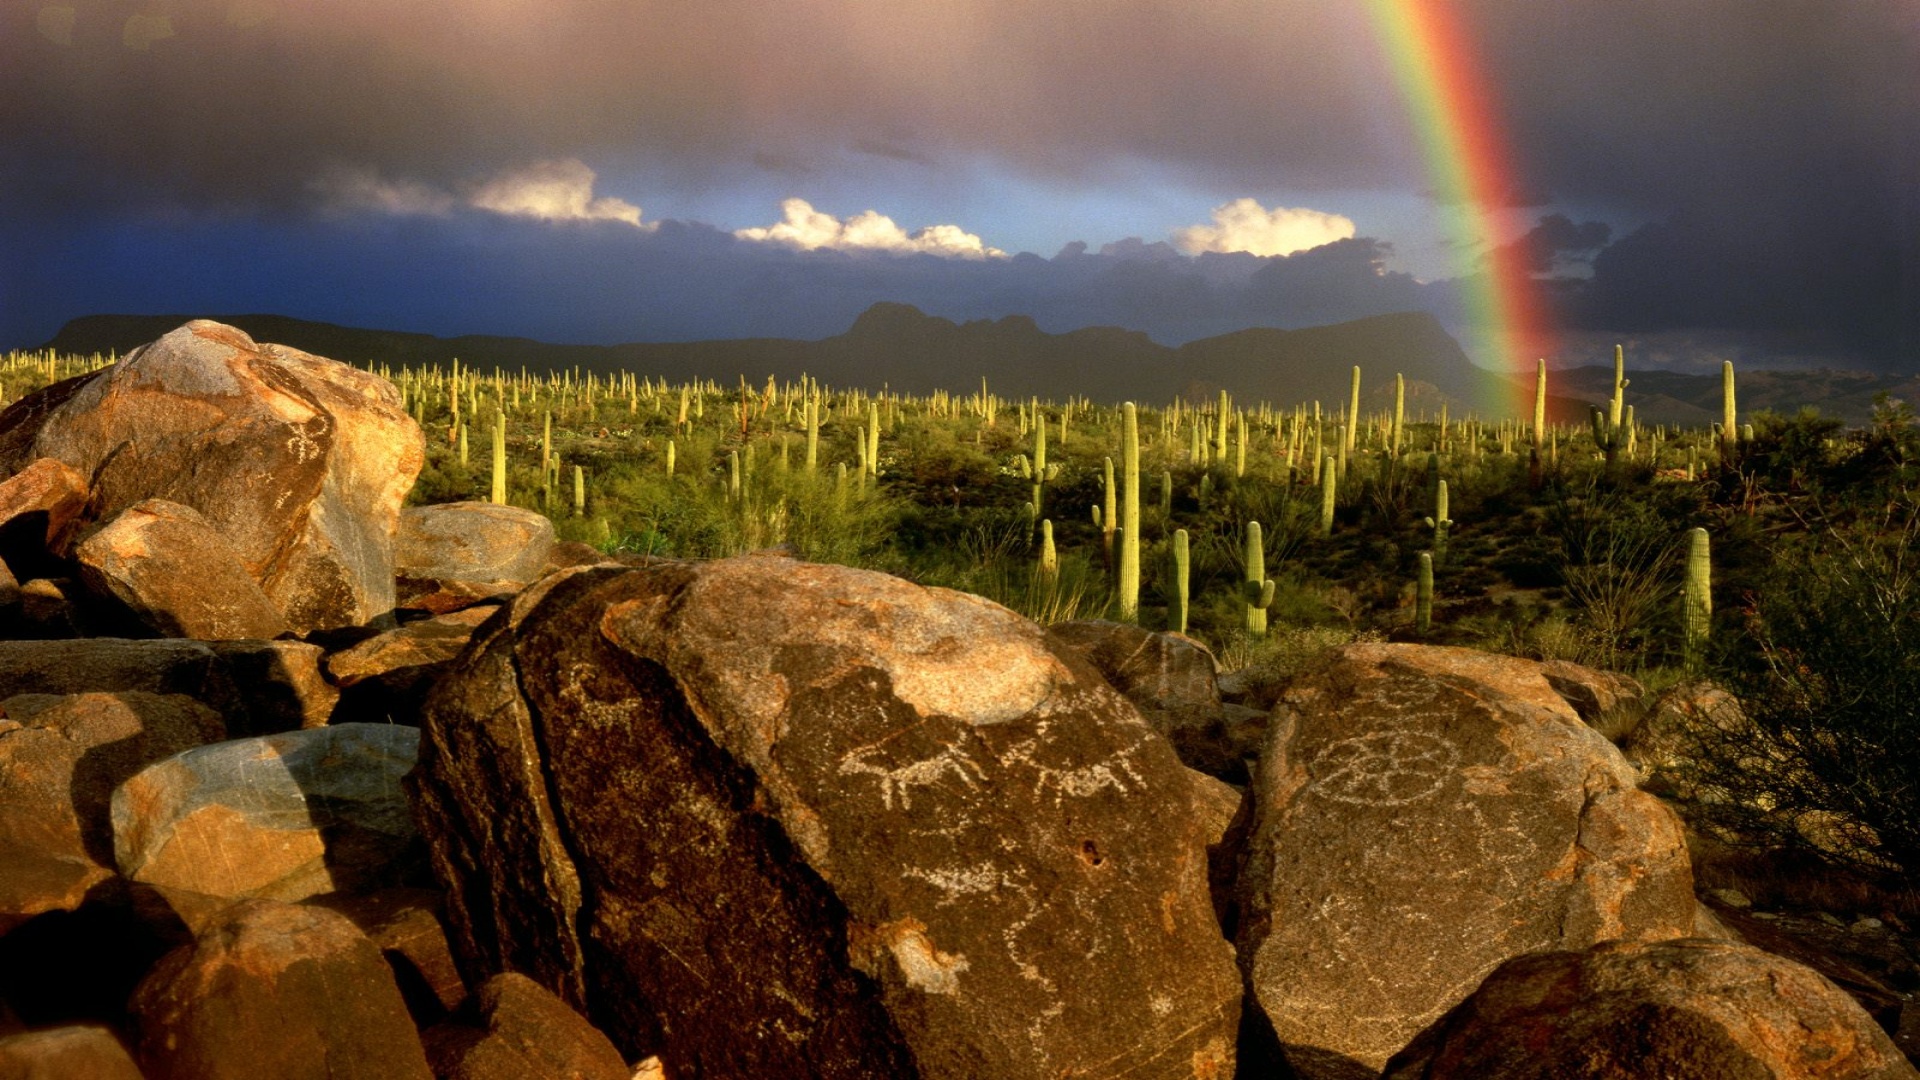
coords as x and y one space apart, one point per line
1684 1010
60 759
468 548
47 611
406 924
74 1052
174 571
1422 815
387 677
301 463
260 687
1170 678
39 507
516 1029
280 990
1611 703
281 817
765 818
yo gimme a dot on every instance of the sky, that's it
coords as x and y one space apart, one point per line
1696 179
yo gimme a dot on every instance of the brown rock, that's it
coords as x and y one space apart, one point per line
282 817
280 990
299 462
1685 1010
47 610
60 759
1422 815
1170 678
821 822
517 1030
175 572
387 677
566 553
406 924
474 548
1610 703
39 506
77 1052
258 686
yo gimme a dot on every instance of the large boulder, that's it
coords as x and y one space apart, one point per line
60 759
1680 1010
75 1052
446 553
280 990
387 676
39 507
765 818
1424 814
301 463
516 1029
173 570
282 817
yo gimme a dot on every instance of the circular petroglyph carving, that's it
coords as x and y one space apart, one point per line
1383 768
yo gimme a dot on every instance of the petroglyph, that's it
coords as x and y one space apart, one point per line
900 781
1383 768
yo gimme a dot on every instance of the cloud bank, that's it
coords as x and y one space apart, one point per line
806 229
1244 225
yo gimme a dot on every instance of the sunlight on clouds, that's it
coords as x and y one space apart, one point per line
809 229
364 189
1244 225
553 191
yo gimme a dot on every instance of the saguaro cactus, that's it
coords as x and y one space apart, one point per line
498 494
1440 523
1257 589
1729 433
1328 480
1049 555
1423 596
1180 565
579 491
1353 414
1129 584
1696 596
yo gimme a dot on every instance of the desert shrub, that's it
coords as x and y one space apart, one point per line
1829 676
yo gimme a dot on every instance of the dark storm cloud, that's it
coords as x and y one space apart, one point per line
1557 240
1772 145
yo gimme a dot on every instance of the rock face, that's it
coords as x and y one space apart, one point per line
283 817
175 572
386 677
60 759
1170 678
258 686
39 507
300 463
78 1051
279 990
1685 1010
1424 814
517 1030
765 818
474 549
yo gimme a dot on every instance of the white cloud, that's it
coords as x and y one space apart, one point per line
553 191
1244 225
804 227
548 190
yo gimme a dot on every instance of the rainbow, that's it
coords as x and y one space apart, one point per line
1471 170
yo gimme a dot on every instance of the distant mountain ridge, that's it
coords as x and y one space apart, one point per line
901 347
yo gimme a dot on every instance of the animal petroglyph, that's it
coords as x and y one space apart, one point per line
1383 768
900 781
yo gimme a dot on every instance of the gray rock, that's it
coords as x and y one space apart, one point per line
1422 815
473 547
280 817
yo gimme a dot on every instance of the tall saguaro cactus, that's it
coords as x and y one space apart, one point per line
1729 433
498 495
1257 589
1130 513
1180 562
1329 478
1696 596
1423 596
1540 405
1353 415
1440 522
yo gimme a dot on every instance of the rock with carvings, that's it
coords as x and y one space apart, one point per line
1423 815
300 462
290 816
766 818
1688 1010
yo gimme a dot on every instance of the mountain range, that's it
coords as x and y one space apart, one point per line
902 348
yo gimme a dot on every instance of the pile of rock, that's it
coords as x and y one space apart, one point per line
394 793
